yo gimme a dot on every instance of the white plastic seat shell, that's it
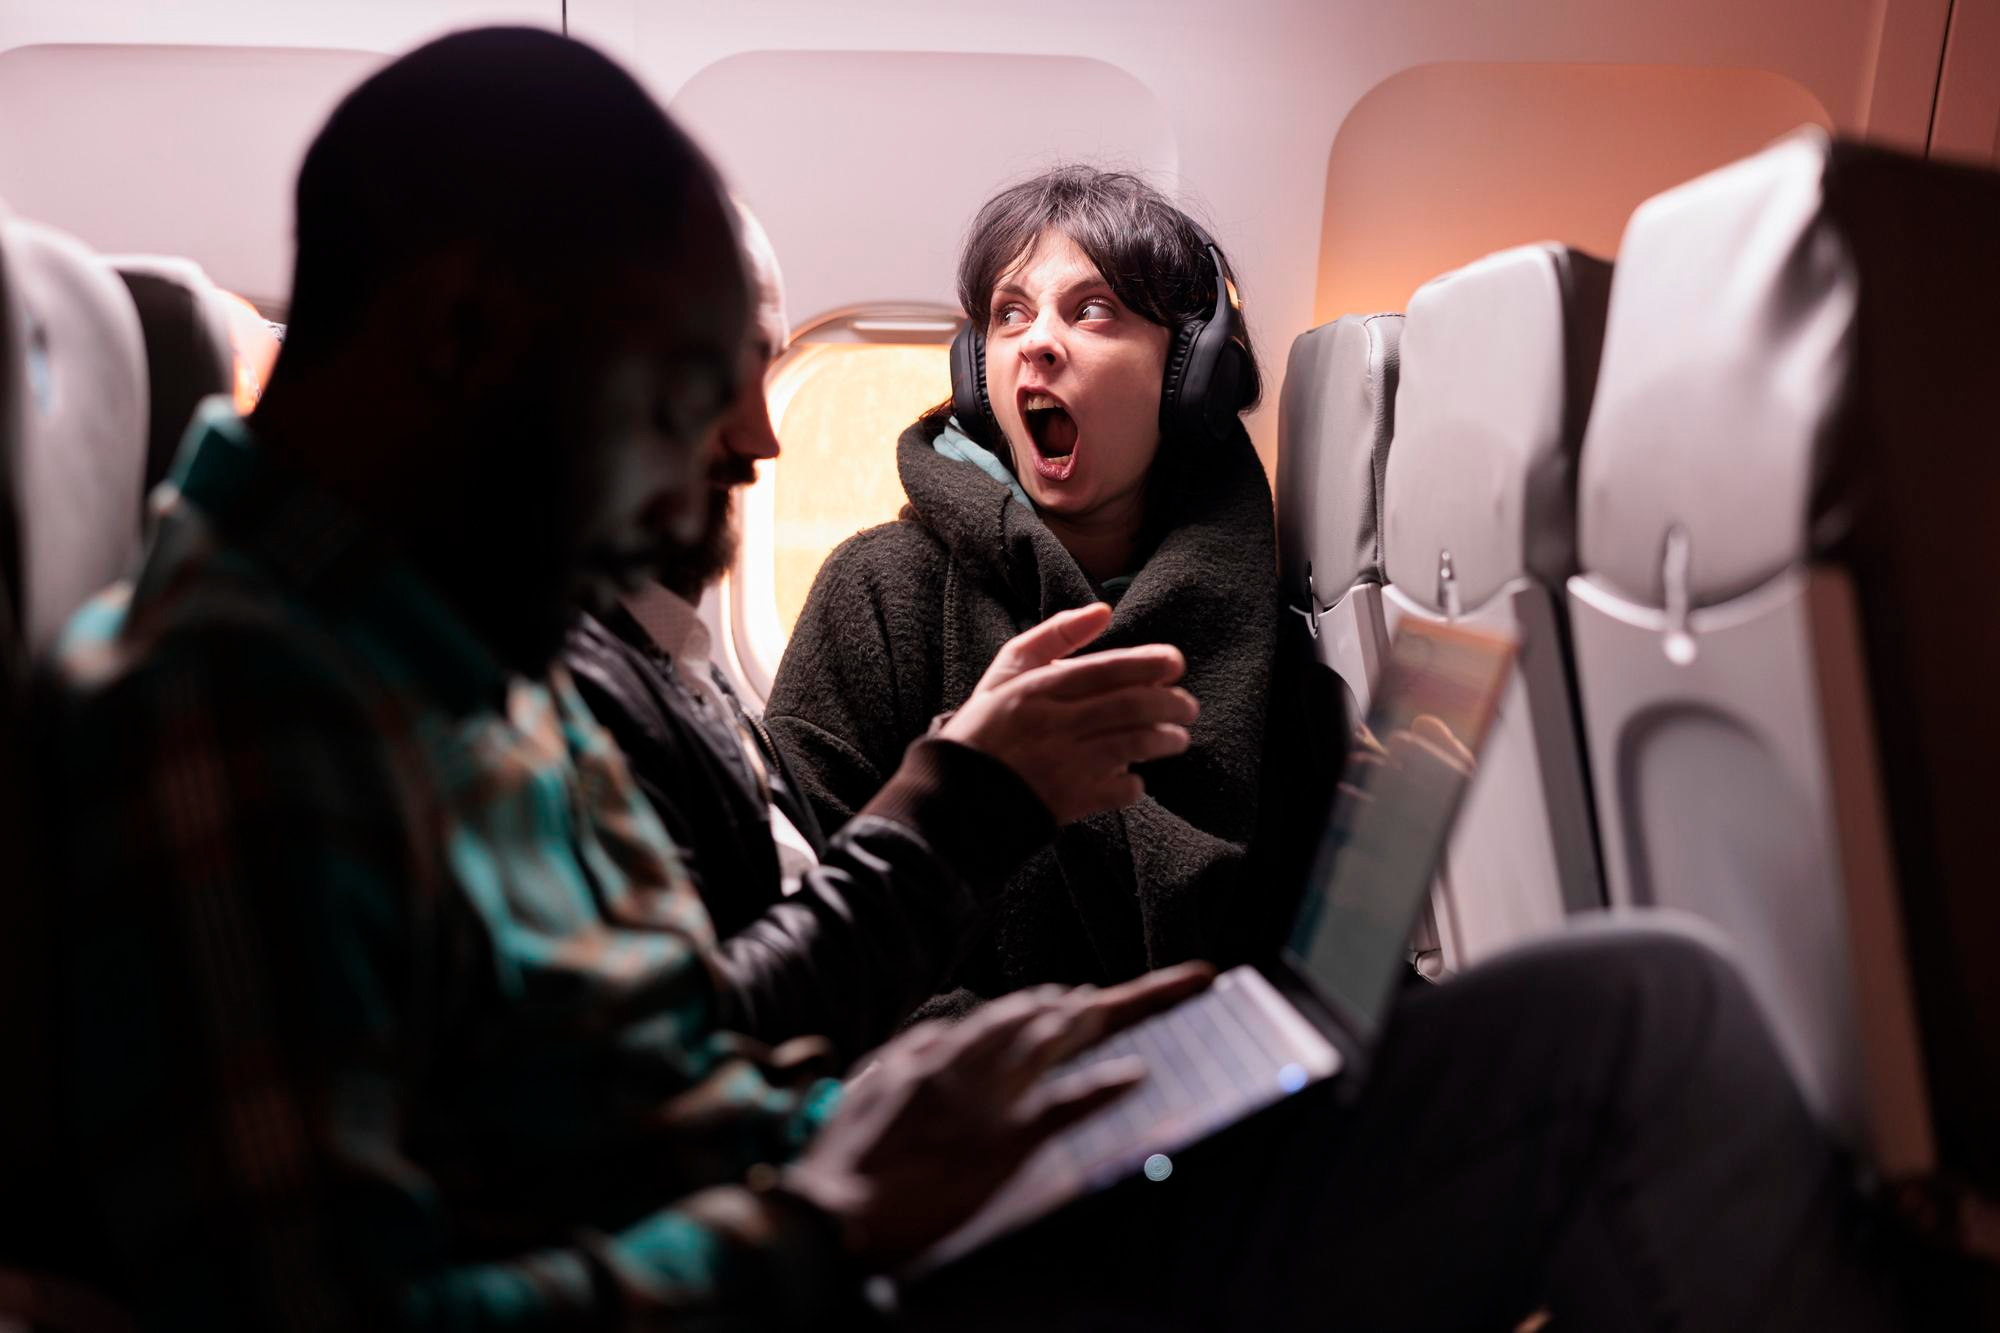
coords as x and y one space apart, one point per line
1730 337
77 394
1498 363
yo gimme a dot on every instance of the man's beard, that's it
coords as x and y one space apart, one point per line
685 568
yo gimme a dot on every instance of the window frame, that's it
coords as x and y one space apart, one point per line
746 600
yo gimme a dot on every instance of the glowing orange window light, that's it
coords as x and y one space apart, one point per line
838 409
1440 164
255 350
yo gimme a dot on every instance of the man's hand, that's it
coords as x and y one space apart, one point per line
948 1113
1073 728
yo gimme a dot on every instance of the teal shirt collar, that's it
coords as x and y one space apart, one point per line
955 444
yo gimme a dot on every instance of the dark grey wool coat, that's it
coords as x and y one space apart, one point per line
903 620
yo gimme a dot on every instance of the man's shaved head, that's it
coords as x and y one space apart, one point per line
519 310
686 566
767 281
535 149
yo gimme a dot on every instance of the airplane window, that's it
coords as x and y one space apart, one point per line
1586 138
840 394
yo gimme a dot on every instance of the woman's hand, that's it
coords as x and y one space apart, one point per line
1073 727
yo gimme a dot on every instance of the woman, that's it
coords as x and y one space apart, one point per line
1087 286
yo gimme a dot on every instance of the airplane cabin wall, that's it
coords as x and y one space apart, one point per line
1965 120
1255 92
1252 95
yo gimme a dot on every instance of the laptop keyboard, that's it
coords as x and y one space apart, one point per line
1209 1061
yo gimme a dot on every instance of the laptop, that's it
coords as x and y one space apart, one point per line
1260 1034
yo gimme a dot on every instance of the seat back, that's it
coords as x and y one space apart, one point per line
1919 479
20 1036
23 1121
1335 420
1731 334
76 357
189 352
1499 363
1732 650
73 408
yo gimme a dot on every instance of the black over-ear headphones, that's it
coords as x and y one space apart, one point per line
1208 369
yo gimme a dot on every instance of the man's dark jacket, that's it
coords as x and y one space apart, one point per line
691 765
897 939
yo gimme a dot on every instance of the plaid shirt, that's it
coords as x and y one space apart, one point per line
392 991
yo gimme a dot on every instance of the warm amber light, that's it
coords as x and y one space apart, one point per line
255 347
838 409
1441 164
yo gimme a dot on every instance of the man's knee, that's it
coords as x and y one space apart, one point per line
1658 993
1616 955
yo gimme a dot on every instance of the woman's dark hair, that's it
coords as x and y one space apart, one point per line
1148 251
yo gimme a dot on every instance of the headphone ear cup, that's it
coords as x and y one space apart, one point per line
970 402
1209 366
986 417
1173 384
1225 389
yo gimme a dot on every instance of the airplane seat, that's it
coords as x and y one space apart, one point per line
1785 515
1335 420
1499 367
72 436
189 350
75 358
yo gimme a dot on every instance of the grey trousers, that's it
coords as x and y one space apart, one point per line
1596 1128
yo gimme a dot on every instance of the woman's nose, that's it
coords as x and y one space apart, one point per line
1041 347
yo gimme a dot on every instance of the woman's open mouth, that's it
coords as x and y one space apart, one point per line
1053 430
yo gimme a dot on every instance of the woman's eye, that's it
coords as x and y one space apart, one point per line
1009 315
1095 310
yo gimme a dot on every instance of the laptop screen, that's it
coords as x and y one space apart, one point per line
1399 793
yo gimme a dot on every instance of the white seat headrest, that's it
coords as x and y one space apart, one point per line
1499 362
1335 420
77 363
1729 346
